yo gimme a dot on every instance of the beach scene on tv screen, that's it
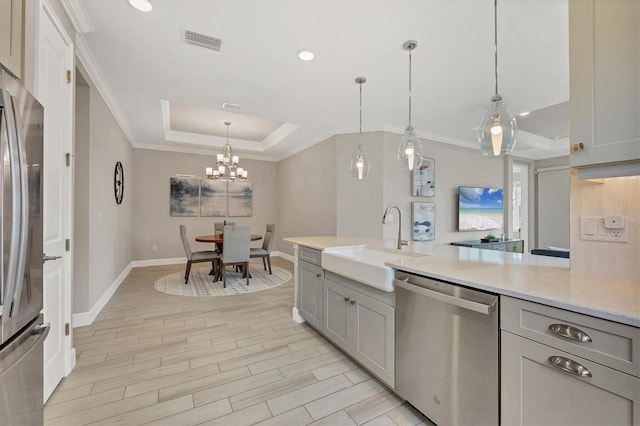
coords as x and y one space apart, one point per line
480 209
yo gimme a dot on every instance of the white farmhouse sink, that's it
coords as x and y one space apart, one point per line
362 264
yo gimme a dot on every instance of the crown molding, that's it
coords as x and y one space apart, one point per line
200 151
89 63
78 16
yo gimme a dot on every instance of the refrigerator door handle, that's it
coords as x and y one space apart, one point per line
14 245
24 208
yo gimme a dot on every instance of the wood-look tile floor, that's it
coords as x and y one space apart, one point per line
153 358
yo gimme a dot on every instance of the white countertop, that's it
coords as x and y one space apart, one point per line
540 279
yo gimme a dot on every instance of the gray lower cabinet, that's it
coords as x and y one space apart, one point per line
560 367
361 325
310 293
535 391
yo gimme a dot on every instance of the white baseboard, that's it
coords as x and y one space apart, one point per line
158 262
295 315
283 255
86 318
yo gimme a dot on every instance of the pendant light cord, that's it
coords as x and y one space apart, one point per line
409 88
360 84
495 40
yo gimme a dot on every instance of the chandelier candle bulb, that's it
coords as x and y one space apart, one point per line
209 171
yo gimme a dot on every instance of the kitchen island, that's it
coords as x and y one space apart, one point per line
575 334
539 279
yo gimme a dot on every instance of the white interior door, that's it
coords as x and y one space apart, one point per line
55 91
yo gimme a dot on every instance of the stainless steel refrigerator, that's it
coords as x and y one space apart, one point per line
22 332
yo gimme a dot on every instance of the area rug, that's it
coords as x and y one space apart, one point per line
201 283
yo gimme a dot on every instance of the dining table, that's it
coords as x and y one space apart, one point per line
218 240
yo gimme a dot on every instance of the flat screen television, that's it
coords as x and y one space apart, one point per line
479 209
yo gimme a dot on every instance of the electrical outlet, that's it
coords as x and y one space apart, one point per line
154 247
608 228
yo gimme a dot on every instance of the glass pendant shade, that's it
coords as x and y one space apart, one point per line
497 130
360 164
409 150
360 161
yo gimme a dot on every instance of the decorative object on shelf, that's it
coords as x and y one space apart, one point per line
184 197
360 162
240 199
213 198
227 164
423 219
490 238
410 148
498 128
118 182
423 179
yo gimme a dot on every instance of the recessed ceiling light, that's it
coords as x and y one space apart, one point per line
143 5
524 114
305 54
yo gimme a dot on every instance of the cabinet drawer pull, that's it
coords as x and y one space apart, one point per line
353 302
318 275
570 366
346 299
569 332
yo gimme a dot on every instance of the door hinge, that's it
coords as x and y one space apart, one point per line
66 329
68 76
67 158
67 244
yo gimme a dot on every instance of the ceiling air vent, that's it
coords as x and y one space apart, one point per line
203 40
236 107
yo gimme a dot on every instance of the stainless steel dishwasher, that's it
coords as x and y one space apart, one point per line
447 350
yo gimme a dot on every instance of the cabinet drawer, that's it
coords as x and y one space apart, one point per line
310 255
545 386
612 344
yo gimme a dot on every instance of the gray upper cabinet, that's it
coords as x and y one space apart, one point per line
11 35
604 59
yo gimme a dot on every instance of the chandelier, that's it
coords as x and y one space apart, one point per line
227 164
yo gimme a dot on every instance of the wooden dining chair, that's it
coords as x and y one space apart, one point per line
195 257
265 251
235 250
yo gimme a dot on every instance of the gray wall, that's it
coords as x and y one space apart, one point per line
307 187
81 194
152 224
359 202
552 201
455 166
102 229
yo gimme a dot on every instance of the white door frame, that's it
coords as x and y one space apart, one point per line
45 11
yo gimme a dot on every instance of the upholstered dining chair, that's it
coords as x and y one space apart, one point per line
194 257
265 251
218 227
235 250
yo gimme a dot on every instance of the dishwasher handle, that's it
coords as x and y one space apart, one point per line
446 298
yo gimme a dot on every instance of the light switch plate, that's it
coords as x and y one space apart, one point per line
611 228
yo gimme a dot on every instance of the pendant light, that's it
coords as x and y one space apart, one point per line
410 149
360 162
498 128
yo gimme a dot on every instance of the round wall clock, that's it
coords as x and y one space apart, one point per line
118 182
